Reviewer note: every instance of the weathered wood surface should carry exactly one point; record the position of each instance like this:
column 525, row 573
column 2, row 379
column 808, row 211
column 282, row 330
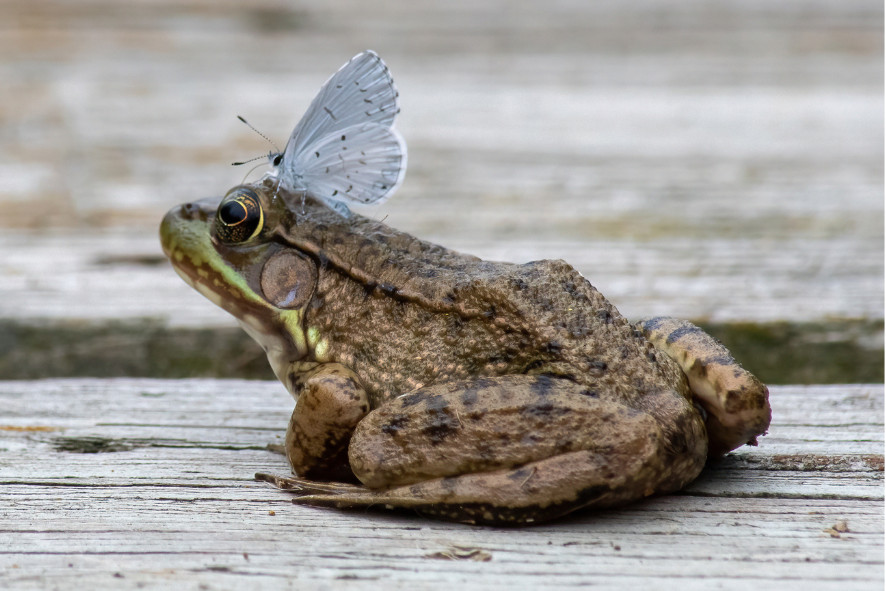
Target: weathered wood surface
column 710, row 160
column 168, row 499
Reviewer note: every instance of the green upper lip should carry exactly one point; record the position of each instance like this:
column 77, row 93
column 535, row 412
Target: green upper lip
column 186, row 238
column 185, row 235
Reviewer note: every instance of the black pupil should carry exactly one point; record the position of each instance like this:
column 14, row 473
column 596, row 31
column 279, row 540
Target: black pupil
column 232, row 213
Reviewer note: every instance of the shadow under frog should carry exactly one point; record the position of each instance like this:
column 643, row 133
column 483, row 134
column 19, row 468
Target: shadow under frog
column 464, row 389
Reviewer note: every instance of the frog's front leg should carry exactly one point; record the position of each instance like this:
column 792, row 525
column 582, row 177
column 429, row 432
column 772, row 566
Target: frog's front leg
column 330, row 403
column 511, row 450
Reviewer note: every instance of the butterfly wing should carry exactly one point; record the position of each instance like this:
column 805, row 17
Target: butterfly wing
column 363, row 163
column 362, row 91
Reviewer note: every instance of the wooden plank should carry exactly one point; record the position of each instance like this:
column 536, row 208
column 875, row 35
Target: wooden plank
column 171, row 500
column 62, row 277
column 718, row 161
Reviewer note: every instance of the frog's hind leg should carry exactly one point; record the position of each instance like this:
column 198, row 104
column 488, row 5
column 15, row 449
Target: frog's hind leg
column 534, row 492
column 513, row 450
column 737, row 403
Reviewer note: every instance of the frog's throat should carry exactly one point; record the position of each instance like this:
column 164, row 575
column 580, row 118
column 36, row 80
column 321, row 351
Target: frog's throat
column 279, row 332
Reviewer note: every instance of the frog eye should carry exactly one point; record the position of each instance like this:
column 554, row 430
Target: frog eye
column 288, row 280
column 239, row 217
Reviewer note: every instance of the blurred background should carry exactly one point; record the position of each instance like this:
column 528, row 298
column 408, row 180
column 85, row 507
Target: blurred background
column 720, row 161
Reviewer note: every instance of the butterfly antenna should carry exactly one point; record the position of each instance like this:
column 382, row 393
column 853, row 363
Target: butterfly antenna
column 248, row 161
column 266, row 138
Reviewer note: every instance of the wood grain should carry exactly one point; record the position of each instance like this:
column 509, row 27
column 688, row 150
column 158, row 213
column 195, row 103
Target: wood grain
column 717, row 161
column 121, row 483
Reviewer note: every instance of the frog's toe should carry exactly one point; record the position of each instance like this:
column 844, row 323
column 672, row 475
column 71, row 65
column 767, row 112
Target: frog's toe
column 737, row 402
column 305, row 487
column 337, row 495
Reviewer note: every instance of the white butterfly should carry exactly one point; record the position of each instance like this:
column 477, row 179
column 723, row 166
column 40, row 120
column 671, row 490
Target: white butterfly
column 344, row 149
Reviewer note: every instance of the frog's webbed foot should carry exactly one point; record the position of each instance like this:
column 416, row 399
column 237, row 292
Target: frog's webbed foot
column 737, row 403
column 536, row 492
column 304, row 488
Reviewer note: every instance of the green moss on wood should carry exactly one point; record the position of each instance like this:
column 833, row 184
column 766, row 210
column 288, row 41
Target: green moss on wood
column 838, row 351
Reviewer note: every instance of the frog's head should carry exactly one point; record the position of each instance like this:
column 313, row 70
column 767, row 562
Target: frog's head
column 231, row 253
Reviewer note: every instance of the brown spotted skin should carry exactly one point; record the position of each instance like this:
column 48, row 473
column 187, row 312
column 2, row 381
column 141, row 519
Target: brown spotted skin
column 330, row 405
column 497, row 393
column 737, row 403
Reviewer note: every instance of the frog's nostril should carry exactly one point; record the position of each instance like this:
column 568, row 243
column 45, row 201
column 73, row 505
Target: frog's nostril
column 190, row 210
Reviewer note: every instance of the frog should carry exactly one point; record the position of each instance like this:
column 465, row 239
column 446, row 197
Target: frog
column 467, row 390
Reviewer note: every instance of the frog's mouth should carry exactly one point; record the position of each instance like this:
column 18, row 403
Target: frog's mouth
column 185, row 235
column 185, row 238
